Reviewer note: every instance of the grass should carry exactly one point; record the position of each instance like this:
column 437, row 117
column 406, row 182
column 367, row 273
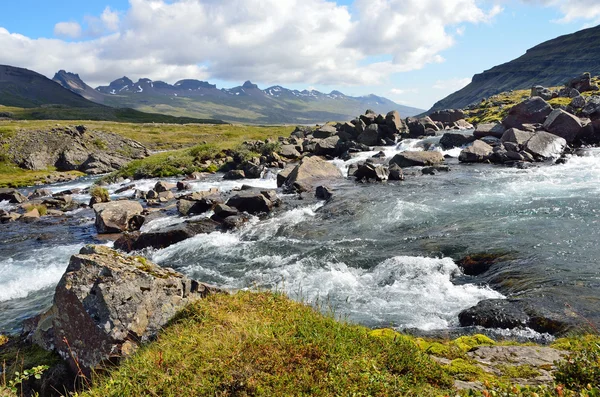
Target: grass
column 13, row 176
column 264, row 344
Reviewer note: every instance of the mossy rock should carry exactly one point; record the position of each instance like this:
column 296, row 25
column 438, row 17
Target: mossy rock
column 464, row 370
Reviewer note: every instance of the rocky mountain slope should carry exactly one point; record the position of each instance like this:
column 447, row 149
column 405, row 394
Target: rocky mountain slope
column 549, row 64
column 246, row 103
column 25, row 94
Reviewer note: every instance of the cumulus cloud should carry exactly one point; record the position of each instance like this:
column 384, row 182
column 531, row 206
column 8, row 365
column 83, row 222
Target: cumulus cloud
column 271, row 41
column 68, row 30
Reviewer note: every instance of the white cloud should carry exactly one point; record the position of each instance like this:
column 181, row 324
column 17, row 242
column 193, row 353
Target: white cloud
column 402, row 91
column 572, row 10
column 269, row 41
column 68, row 30
column 451, row 85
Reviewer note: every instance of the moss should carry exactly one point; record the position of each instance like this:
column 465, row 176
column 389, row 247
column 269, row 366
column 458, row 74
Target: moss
column 464, row 370
column 3, row 339
column 557, row 102
column 466, row 343
column 518, row 371
column 100, row 193
column 264, row 344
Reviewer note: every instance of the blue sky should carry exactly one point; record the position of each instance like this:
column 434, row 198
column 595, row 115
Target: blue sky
column 412, row 51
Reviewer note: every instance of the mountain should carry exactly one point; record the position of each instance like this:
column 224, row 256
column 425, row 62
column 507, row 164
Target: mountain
column 246, row 103
column 551, row 63
column 30, row 95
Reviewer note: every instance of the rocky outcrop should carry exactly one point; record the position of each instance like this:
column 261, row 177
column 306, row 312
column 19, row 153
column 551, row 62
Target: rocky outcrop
column 309, row 173
column 118, row 216
column 530, row 111
column 72, row 148
column 422, row 159
column 107, row 304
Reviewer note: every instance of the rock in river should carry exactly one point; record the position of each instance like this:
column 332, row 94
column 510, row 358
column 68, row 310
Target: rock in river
column 117, row 216
column 311, row 172
column 107, row 303
column 422, row 159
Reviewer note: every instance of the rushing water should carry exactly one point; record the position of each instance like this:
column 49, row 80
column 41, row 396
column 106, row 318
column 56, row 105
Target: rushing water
column 379, row 254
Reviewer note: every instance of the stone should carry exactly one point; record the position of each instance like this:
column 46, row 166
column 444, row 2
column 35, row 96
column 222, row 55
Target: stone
column 393, row 121
column 39, row 193
column 477, row 152
column 324, row 193
column 327, row 146
column 163, row 186
column 532, row 110
column 455, row 139
column 567, row 92
column 13, row 196
column 489, row 129
column 167, row 236
column 517, row 136
column 31, row 214
column 578, row 102
column 283, row 175
column 369, row 171
column 592, row 108
column 311, row 172
column 234, row 175
column 421, row 127
column 563, row 124
column 396, row 173
column 369, row 117
column 115, row 217
column 370, row 136
column 582, row 83
column 253, row 171
column 166, row 196
column 290, row 152
column 251, row 202
column 422, row 159
column 448, row 115
column 546, row 146
column 325, row 132
column 181, row 185
column 225, row 211
column 194, row 207
column 542, row 92
column 106, row 304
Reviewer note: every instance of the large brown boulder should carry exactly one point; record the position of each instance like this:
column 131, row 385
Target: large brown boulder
column 107, row 303
column 477, row 152
column 530, row 111
column 422, row 159
column 546, row 146
column 310, row 173
column 117, row 216
column 489, row 129
column 563, row 124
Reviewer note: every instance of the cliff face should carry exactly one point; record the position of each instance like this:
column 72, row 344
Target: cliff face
column 550, row 64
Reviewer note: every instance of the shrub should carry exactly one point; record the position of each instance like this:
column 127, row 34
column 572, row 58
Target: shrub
column 582, row 367
column 42, row 210
column 100, row 193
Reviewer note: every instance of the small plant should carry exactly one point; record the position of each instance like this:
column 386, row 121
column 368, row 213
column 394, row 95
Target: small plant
column 582, row 367
column 3, row 339
column 100, row 193
column 100, row 144
column 11, row 388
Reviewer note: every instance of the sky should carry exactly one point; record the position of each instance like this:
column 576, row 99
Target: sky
column 414, row 52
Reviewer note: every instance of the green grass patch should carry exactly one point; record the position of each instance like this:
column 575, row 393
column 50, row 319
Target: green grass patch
column 264, row 344
column 13, row 176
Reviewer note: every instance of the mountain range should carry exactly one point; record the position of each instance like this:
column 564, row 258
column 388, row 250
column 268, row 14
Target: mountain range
column 551, row 63
column 246, row 103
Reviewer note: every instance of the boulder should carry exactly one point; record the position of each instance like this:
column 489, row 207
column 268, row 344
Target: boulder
column 290, row 152
column 592, row 107
column 251, row 202
column 421, row 127
column 542, row 92
column 164, row 186
column 283, row 175
column 182, row 185
column 116, row 217
column 545, row 146
column 489, row 129
column 396, row 173
column 234, row 175
column 370, row 136
column 327, row 146
column 325, row 132
column 448, row 116
column 369, row 117
column 369, row 171
column 253, row 171
column 311, row 172
column 31, row 214
column 194, row 207
column 563, row 124
column 583, row 83
column 324, row 193
column 516, row 136
column 578, row 102
column 39, row 193
column 224, row 211
column 455, row 139
column 477, row 152
column 568, row 92
column 107, row 303
column 170, row 235
column 394, row 122
column 530, row 111
column 13, row 196
column 422, row 159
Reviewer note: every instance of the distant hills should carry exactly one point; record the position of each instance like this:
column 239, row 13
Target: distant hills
column 246, row 103
column 551, row 63
column 30, row 95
